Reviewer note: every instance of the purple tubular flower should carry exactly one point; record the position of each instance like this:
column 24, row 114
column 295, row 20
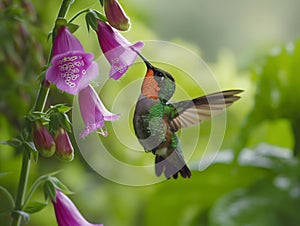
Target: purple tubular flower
column 43, row 140
column 66, row 212
column 71, row 69
column 118, row 51
column 93, row 112
column 115, row 15
column 64, row 149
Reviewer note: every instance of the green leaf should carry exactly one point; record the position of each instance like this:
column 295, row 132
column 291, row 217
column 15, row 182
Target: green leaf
column 91, row 21
column 38, row 116
column 92, row 18
column 276, row 92
column 50, row 186
column 49, row 190
column 271, row 201
column 14, row 142
column 34, row 207
column 58, row 108
column 26, row 131
column 59, row 185
column 72, row 27
column 262, row 205
column 30, row 148
column 58, row 120
column 7, row 195
column 101, row 2
column 100, row 16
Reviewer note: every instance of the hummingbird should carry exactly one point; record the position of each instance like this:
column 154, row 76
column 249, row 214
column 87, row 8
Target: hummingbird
column 156, row 119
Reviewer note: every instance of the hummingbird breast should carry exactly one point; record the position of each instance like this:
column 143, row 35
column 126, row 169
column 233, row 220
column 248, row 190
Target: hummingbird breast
column 151, row 125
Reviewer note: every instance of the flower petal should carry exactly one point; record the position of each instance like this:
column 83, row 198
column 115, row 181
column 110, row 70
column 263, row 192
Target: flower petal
column 122, row 58
column 65, row 41
column 93, row 112
column 66, row 212
column 72, row 71
column 118, row 51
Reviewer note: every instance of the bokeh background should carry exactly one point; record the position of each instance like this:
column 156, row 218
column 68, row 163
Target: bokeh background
column 252, row 45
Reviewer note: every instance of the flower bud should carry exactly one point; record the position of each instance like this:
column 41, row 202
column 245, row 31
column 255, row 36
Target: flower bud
column 115, row 15
column 64, row 149
column 42, row 140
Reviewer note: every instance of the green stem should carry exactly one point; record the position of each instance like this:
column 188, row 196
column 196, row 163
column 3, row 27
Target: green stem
column 78, row 14
column 38, row 106
column 21, row 188
column 65, row 5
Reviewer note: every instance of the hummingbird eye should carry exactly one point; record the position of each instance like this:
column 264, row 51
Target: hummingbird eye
column 160, row 74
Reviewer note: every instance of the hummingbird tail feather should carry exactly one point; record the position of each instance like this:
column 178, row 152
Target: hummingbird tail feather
column 166, row 166
column 185, row 172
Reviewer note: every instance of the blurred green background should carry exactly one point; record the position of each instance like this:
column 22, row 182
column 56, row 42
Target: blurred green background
column 249, row 45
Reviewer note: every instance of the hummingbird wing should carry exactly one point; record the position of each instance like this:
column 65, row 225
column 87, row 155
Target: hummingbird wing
column 192, row 112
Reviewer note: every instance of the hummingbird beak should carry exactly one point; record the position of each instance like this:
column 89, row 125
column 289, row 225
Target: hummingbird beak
column 149, row 66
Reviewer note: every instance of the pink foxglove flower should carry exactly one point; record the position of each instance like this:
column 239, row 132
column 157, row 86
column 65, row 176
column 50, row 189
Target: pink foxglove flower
column 115, row 15
column 71, row 69
column 117, row 50
column 64, row 149
column 66, row 212
column 93, row 112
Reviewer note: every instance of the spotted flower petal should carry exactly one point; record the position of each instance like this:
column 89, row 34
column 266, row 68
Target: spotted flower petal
column 93, row 112
column 118, row 51
column 71, row 69
column 66, row 212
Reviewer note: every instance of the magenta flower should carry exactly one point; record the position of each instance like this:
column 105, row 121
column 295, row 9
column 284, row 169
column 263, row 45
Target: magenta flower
column 93, row 112
column 117, row 50
column 71, row 69
column 66, row 212
column 43, row 140
column 115, row 15
column 64, row 149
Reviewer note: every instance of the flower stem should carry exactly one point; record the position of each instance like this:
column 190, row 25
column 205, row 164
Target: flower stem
column 38, row 106
column 21, row 188
column 78, row 14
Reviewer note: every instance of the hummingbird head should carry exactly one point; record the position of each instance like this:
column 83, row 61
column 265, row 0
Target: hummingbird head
column 157, row 84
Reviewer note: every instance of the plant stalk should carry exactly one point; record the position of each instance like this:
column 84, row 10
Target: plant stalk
column 38, row 106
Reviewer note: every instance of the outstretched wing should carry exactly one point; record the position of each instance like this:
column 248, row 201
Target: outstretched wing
column 192, row 112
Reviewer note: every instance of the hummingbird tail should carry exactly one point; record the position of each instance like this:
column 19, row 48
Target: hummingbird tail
column 170, row 169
